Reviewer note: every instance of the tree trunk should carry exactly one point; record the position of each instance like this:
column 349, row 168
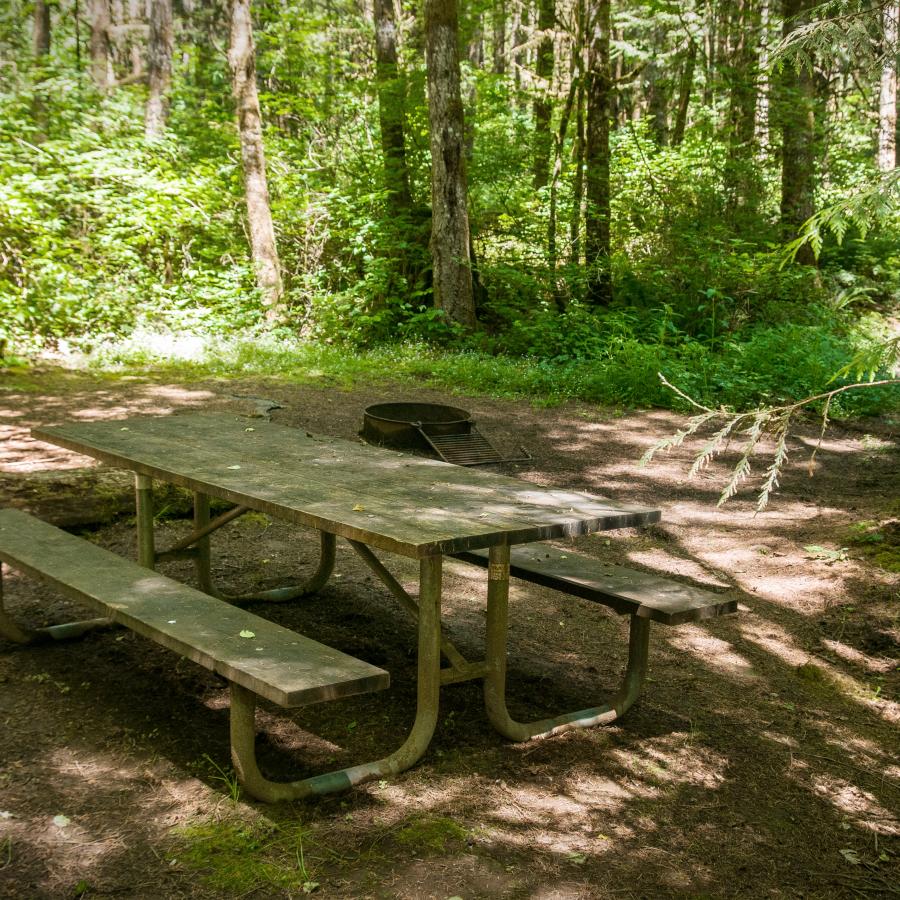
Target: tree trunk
column 475, row 55
column 685, row 87
column 449, row 194
column 499, row 37
column 41, row 45
column 543, row 108
column 740, row 176
column 391, row 89
column 578, row 182
column 160, row 47
column 41, row 35
column 796, row 116
column 887, row 106
column 242, row 59
column 559, row 144
column 597, row 216
column 762, row 98
column 657, row 103
column 101, row 69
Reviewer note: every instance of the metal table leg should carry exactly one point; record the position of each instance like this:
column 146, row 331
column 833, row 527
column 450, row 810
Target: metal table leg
column 495, row 680
column 196, row 546
column 243, row 704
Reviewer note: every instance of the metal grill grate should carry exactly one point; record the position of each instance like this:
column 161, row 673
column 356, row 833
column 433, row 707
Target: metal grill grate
column 471, row 449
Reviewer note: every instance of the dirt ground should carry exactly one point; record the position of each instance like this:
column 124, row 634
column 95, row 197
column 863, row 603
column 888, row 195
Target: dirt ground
column 762, row 760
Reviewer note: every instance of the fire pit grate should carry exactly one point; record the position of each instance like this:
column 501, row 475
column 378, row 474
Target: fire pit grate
column 445, row 431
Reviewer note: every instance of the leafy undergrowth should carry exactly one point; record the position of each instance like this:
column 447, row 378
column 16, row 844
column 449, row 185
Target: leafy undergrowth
column 773, row 365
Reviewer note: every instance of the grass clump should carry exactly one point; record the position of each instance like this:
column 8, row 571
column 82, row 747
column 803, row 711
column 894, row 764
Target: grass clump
column 434, row 835
column 237, row 857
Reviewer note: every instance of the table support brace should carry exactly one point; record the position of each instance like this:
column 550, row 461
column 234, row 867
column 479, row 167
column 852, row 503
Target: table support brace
column 243, row 705
column 459, row 663
column 495, row 680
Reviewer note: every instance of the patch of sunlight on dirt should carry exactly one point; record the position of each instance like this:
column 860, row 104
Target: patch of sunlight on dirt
column 772, row 638
column 858, row 805
column 783, row 739
column 813, row 670
column 857, row 657
column 675, row 565
column 672, row 760
column 714, row 653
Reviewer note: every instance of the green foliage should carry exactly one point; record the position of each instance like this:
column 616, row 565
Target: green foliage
column 139, row 250
column 101, row 231
column 237, row 857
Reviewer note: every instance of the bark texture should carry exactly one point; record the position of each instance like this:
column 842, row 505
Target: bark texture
column 263, row 250
column 160, row 47
column 41, row 34
column 391, row 105
column 887, row 101
column 101, row 68
column 450, row 246
column 685, row 87
column 597, row 215
column 797, row 121
column 543, row 108
column 743, row 73
column 498, row 22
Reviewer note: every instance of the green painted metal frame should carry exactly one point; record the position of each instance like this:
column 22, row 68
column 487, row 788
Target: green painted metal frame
column 431, row 645
column 243, row 705
column 11, row 631
column 196, row 546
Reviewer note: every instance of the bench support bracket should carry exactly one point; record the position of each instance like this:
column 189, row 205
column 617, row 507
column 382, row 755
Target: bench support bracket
column 243, row 706
column 11, row 631
column 495, row 680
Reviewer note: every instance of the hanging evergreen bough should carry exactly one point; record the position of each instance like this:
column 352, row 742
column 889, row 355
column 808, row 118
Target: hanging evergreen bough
column 770, row 421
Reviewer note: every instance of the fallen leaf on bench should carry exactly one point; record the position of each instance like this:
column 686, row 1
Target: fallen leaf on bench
column 247, row 634
column 358, row 508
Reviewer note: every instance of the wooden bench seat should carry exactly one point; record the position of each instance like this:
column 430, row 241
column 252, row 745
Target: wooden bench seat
column 626, row 591
column 276, row 663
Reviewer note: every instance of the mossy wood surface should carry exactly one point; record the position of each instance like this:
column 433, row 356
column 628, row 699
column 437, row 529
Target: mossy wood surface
column 267, row 659
column 387, row 500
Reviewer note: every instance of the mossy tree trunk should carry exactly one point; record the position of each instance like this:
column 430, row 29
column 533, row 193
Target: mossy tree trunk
column 597, row 215
column 391, row 88
column 263, row 249
column 797, row 121
column 450, row 246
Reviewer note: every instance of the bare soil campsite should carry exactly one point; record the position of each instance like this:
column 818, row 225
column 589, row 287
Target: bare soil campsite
column 761, row 760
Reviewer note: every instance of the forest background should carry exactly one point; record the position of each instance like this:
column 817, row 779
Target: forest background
column 556, row 198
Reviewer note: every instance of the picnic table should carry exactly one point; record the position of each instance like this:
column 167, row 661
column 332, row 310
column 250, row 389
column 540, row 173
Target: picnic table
column 379, row 501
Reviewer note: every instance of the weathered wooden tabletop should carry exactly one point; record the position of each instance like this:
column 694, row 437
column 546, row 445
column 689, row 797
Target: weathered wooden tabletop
column 391, row 501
